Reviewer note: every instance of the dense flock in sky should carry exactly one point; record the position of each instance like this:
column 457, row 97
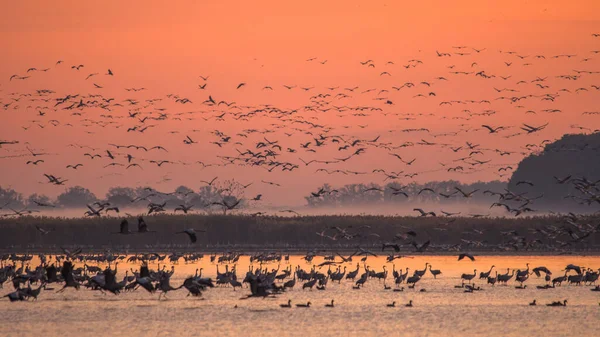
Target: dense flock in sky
column 459, row 112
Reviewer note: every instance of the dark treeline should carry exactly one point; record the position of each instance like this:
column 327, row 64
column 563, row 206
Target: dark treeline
column 546, row 233
column 444, row 193
column 347, row 195
column 125, row 197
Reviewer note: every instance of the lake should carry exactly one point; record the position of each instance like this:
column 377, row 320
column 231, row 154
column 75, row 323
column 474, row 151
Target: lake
column 442, row 310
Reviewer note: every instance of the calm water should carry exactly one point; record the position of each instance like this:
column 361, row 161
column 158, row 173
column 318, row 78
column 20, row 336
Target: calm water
column 440, row 311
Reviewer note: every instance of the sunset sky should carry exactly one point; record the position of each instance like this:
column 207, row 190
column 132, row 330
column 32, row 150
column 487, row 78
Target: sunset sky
column 165, row 47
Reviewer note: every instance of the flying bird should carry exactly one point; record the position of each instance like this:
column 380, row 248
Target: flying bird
column 191, row 233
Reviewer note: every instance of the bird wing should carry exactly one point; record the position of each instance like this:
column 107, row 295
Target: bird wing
column 419, row 210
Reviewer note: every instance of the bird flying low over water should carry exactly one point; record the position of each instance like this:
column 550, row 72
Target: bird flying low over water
column 191, row 233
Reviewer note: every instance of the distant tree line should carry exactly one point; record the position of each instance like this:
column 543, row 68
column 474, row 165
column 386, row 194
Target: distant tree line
column 439, row 192
column 217, row 197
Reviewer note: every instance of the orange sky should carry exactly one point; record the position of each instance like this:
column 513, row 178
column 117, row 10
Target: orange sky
column 164, row 47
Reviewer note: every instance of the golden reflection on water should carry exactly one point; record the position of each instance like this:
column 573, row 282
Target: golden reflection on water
column 442, row 310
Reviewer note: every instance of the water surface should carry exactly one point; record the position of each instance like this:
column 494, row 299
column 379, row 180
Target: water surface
column 442, row 310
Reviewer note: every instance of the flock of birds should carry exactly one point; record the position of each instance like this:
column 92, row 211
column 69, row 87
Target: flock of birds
column 280, row 139
column 276, row 139
column 73, row 269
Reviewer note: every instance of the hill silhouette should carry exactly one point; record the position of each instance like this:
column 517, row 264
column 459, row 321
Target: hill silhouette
column 566, row 173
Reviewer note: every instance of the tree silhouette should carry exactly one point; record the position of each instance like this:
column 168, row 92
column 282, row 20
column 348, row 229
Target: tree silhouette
column 76, row 196
column 11, row 198
column 371, row 194
column 120, row 196
column 41, row 198
column 227, row 195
